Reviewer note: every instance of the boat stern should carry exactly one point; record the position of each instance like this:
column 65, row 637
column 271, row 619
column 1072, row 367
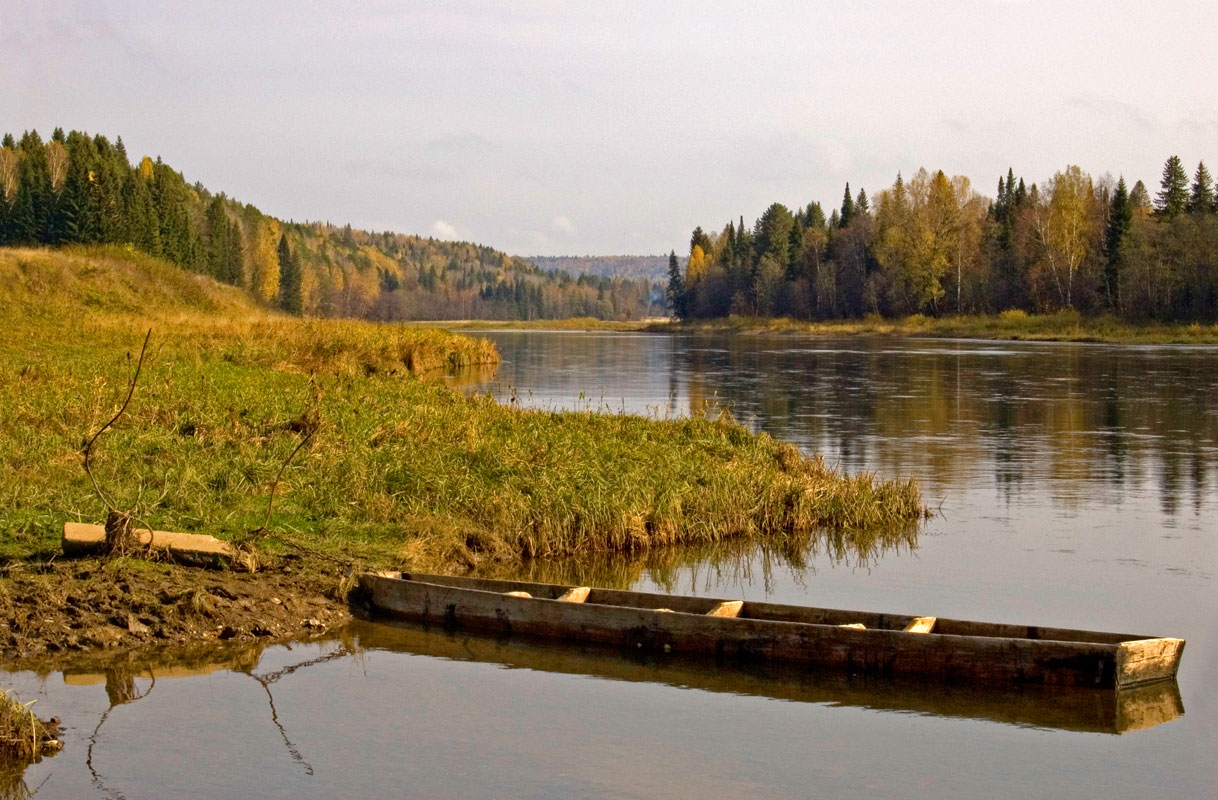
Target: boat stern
column 1146, row 660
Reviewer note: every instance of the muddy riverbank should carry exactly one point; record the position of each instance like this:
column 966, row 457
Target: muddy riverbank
column 71, row 607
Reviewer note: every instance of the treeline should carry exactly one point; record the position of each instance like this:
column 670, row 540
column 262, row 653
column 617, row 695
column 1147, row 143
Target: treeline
column 653, row 268
column 932, row 245
column 82, row 189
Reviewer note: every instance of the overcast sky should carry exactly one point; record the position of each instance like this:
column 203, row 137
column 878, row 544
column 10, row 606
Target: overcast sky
column 546, row 128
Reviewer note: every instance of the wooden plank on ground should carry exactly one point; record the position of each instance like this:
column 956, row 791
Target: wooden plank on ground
column 83, row 539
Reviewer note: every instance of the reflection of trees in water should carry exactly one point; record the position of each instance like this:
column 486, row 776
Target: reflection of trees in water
column 1068, row 415
column 270, row 678
column 730, row 561
column 122, row 689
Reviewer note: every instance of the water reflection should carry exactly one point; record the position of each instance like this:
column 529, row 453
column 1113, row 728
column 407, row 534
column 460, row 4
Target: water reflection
column 300, row 738
column 129, row 677
column 1096, row 711
column 730, row 561
column 1071, row 416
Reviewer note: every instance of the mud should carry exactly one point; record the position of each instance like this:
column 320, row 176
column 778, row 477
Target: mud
column 74, row 607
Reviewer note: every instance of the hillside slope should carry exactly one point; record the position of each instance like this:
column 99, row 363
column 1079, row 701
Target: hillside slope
column 82, row 189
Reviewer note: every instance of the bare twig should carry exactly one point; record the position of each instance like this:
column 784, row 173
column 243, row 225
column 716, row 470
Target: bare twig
column 270, row 503
column 89, row 445
column 119, row 536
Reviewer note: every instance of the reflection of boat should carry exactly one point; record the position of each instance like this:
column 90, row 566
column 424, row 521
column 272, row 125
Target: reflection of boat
column 856, row 642
column 1091, row 710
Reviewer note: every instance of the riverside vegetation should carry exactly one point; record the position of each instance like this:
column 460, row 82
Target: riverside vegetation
column 396, row 469
column 933, row 246
column 1015, row 325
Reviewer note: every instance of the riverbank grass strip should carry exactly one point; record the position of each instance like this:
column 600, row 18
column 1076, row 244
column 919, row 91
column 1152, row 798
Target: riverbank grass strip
column 1013, row 325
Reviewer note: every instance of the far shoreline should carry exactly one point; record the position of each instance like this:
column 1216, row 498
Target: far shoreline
column 1062, row 326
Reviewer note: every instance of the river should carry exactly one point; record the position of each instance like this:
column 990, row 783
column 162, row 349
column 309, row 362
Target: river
column 1075, row 485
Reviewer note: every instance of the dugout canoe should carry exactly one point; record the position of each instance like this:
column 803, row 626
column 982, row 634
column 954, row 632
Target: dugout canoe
column 734, row 631
column 1106, row 711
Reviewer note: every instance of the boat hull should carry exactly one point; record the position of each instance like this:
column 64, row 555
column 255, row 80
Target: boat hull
column 769, row 632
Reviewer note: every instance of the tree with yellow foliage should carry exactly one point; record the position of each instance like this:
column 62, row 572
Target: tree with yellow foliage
column 696, row 268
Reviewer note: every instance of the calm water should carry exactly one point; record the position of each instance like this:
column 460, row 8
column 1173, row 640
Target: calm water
column 1077, row 486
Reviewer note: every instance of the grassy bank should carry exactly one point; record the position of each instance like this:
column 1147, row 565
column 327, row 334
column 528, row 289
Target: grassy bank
column 1065, row 326
column 400, row 469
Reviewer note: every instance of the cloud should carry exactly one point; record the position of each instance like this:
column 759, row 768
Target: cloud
column 562, row 225
column 443, row 229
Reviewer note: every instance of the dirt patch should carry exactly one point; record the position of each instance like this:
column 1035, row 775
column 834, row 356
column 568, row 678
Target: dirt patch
column 93, row 604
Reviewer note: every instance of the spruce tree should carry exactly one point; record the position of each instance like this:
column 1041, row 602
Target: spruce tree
column 1120, row 217
column 1173, row 194
column 1201, row 200
column 861, row 204
column 234, row 256
column 676, row 287
column 291, row 297
column 34, row 191
column 216, row 241
column 847, row 208
column 699, row 239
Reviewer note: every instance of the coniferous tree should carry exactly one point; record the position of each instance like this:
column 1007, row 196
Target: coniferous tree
column 847, row 209
column 290, row 297
column 1120, row 217
column 1173, row 194
column 675, row 293
column 217, row 233
column 33, row 206
column 699, row 239
column 1201, row 199
column 861, row 204
column 234, row 257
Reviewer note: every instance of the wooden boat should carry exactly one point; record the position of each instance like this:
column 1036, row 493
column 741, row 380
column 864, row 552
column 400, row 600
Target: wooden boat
column 1107, row 711
column 857, row 642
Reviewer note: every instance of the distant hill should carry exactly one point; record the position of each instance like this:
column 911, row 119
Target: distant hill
column 650, row 268
column 80, row 189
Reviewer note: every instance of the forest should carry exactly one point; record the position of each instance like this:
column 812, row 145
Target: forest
column 654, row 268
column 932, row 245
column 82, row 189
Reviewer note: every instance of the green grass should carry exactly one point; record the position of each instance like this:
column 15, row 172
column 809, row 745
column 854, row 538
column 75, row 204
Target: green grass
column 401, row 468
column 1063, row 326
